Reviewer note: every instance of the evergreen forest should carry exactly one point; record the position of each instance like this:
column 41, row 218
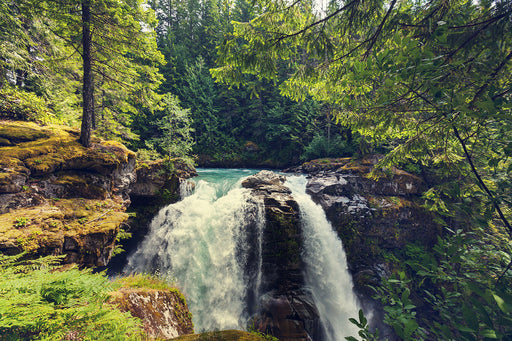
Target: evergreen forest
column 425, row 85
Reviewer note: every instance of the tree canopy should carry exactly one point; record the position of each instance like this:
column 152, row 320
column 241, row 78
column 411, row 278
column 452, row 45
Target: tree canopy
column 110, row 43
column 431, row 79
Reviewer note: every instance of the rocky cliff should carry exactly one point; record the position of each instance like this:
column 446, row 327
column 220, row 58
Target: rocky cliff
column 286, row 309
column 57, row 197
column 371, row 216
column 374, row 218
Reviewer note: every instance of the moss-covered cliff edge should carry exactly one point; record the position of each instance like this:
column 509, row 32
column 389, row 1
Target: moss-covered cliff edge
column 57, row 197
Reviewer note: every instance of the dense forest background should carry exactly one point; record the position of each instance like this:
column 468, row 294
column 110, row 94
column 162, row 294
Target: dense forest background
column 152, row 84
column 426, row 84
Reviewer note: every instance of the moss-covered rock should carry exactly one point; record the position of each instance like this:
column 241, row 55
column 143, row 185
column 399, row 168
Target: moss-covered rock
column 57, row 197
column 84, row 230
column 162, row 309
column 224, row 335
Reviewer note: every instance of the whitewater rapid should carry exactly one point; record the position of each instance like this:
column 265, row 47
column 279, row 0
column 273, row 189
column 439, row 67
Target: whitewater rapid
column 201, row 243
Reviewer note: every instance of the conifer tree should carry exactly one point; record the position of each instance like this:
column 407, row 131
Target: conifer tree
column 116, row 42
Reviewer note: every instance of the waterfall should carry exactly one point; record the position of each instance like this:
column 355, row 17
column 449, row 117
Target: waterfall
column 210, row 244
column 325, row 270
column 204, row 242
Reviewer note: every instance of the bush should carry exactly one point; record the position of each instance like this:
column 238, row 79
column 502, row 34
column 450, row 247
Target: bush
column 16, row 104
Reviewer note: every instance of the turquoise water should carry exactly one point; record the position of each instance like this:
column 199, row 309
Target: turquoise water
column 224, row 179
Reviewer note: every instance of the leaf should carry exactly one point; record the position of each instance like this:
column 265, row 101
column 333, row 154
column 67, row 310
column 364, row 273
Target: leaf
column 470, row 317
column 489, row 333
column 351, row 338
column 409, row 327
column 354, row 321
column 405, row 295
column 362, row 319
column 504, row 306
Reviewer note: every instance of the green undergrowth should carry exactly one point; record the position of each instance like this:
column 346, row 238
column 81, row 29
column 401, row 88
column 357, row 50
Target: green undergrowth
column 40, row 302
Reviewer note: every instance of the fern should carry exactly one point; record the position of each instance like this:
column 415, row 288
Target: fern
column 39, row 302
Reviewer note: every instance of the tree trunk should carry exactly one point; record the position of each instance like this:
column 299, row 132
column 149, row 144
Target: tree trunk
column 88, row 86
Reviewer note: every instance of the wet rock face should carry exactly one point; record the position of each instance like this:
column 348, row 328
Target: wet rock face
column 154, row 177
column 370, row 216
column 286, row 309
column 289, row 317
column 282, row 239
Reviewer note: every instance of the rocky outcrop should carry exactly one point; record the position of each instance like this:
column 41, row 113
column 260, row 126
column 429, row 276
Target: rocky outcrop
column 57, row 197
column 157, row 184
column 164, row 313
column 156, row 178
column 286, row 309
column 282, row 234
column 369, row 223
column 370, row 215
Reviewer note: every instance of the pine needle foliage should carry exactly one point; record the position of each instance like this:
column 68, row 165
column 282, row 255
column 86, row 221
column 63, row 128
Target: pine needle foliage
column 40, row 302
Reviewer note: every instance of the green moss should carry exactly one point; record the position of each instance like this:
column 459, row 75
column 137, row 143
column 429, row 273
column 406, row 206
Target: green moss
column 51, row 148
column 15, row 132
column 64, row 218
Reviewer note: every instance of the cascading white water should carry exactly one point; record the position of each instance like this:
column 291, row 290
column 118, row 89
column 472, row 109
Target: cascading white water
column 202, row 242
column 326, row 270
column 211, row 244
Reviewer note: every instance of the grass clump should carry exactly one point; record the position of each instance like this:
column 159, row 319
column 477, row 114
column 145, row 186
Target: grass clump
column 144, row 281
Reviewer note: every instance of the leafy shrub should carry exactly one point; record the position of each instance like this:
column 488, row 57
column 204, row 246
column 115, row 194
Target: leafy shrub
column 460, row 290
column 17, row 104
column 39, row 303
